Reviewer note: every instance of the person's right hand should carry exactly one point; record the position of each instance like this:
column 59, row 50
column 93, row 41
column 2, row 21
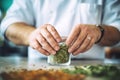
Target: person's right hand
column 45, row 39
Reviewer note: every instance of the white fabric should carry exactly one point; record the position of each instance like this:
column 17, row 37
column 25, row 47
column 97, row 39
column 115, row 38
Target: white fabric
column 64, row 15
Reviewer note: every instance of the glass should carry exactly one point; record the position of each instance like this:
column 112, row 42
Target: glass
column 62, row 57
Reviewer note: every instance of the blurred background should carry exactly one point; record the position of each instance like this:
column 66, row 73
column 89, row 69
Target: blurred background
column 10, row 49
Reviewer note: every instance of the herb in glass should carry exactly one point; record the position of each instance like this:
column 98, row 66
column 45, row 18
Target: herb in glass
column 62, row 55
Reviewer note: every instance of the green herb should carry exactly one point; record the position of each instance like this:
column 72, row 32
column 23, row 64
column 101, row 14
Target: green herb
column 106, row 72
column 62, row 55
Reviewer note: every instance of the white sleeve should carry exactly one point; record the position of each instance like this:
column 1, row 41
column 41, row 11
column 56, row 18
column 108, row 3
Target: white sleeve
column 20, row 11
column 111, row 13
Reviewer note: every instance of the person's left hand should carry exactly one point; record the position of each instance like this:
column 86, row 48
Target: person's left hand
column 82, row 38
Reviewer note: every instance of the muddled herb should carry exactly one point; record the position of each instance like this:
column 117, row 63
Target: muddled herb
column 106, row 72
column 61, row 56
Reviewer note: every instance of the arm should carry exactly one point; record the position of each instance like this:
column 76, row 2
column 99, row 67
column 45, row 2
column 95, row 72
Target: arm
column 16, row 26
column 111, row 17
column 111, row 36
column 18, row 33
column 19, row 13
column 79, row 41
column 83, row 37
column 40, row 39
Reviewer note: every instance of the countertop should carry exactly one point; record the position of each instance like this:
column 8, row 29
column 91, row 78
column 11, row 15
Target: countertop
column 15, row 62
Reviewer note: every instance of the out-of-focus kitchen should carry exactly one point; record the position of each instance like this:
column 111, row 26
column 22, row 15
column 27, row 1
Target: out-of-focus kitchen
column 13, row 57
column 7, row 48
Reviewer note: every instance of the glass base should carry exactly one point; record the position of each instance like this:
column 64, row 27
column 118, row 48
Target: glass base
column 51, row 62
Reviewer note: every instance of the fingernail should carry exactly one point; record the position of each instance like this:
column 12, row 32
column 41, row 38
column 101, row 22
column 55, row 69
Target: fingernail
column 53, row 52
column 66, row 43
column 74, row 54
column 69, row 50
column 47, row 54
column 57, row 48
column 58, row 40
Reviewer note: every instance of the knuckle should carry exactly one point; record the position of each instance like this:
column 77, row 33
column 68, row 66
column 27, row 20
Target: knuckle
column 48, row 26
column 43, row 51
column 72, row 49
column 51, row 28
column 48, row 36
column 54, row 34
column 79, row 41
column 45, row 45
column 74, row 46
column 78, row 26
column 36, row 47
column 50, row 50
column 54, row 45
column 78, row 51
column 85, row 28
column 83, row 49
column 42, row 41
column 40, row 50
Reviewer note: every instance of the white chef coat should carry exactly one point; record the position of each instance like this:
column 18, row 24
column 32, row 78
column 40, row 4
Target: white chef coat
column 64, row 15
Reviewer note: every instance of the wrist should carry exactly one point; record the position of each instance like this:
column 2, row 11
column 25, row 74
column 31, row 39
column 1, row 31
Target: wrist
column 101, row 29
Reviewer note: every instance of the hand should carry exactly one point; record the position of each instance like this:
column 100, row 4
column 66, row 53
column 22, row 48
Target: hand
column 45, row 39
column 82, row 38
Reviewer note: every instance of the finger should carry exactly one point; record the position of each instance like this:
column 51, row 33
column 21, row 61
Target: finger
column 50, row 39
column 45, row 45
column 54, row 33
column 83, row 46
column 73, row 35
column 35, row 45
column 91, row 44
column 79, row 41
